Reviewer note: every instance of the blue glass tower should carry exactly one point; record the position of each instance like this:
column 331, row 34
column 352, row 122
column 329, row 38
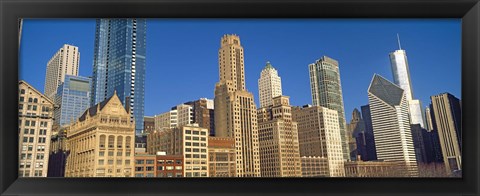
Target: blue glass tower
column 72, row 99
column 119, row 64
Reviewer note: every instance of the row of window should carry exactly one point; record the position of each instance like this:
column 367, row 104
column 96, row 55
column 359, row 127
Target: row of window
column 31, row 139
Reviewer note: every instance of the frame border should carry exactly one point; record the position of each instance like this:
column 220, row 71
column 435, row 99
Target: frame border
column 12, row 10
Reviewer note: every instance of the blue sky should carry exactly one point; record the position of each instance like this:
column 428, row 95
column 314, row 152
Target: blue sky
column 182, row 54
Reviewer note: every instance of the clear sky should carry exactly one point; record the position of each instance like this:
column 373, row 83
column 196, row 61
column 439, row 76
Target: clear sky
column 182, row 54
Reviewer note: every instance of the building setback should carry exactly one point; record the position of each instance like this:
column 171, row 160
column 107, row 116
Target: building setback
column 269, row 85
column 101, row 142
column 391, row 124
column 326, row 91
column 278, row 138
column 119, row 64
column 35, row 119
column 221, row 152
column 235, row 109
column 319, row 136
column 72, row 99
column 447, row 118
column 64, row 62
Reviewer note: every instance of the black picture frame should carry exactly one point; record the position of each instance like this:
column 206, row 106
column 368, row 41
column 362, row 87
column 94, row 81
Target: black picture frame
column 12, row 10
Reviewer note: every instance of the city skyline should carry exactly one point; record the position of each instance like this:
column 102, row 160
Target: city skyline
column 289, row 56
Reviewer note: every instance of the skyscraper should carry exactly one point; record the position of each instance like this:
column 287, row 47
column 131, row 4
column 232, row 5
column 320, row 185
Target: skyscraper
column 369, row 137
column 448, row 117
column 203, row 113
column 235, row 109
column 269, row 85
column 391, row 124
column 401, row 77
column 72, row 99
column 326, row 91
column 278, row 136
column 356, row 136
column 64, row 62
column 119, row 64
column 319, row 140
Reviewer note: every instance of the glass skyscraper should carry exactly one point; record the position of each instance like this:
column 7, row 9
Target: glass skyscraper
column 119, row 64
column 327, row 92
column 73, row 97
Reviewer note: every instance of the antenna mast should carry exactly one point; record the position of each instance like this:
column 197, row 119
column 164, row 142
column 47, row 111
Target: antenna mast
column 398, row 39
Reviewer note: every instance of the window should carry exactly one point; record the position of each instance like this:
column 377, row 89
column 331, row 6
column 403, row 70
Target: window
column 40, row 156
column 119, row 154
column 41, row 140
column 150, row 162
column 178, row 161
column 32, row 131
column 101, row 153
column 20, row 106
column 139, row 162
column 30, row 148
column 110, row 153
column 138, row 168
column 22, row 91
column 127, row 162
column 41, row 148
column 34, row 108
column 30, row 139
column 160, row 168
column 27, row 123
column 151, row 168
column 23, row 156
column 178, row 167
column 101, row 162
column 110, row 162
column 25, row 131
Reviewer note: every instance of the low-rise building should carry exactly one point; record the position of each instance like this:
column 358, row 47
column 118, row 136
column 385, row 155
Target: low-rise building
column 221, row 151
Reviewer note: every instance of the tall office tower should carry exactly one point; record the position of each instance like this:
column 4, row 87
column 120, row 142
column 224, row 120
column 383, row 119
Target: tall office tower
column 356, row 136
column 401, row 77
column 319, row 136
column 221, row 152
column 35, row 119
column 448, row 118
column 101, row 142
column 166, row 120
column 432, row 139
column 419, row 143
column 370, row 148
column 428, row 119
column 72, row 99
column 119, row 64
column 391, row 124
column 269, row 85
column 64, row 62
column 203, row 113
column 235, row 109
column 278, row 136
column 326, row 91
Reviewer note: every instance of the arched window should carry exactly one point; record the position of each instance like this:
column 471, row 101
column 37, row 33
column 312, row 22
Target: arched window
column 30, row 100
column 35, row 100
column 119, row 141
column 22, row 91
column 102, row 141
column 111, row 141
column 127, row 141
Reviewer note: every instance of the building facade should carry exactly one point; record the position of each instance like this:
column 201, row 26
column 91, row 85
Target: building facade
column 101, row 142
column 221, row 152
column 391, row 124
column 319, row 136
column 326, row 90
column 58, row 154
column 145, row 165
column 448, row 117
column 235, row 109
column 314, row 166
column 166, row 120
column 204, row 114
column 191, row 141
column 356, row 136
column 148, row 124
column 169, row 166
column 119, row 64
column 278, row 139
column 64, row 62
column 370, row 149
column 72, row 99
column 269, row 85
column 401, row 77
column 373, row 169
column 35, row 119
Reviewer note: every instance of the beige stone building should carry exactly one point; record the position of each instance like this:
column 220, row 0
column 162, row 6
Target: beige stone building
column 319, row 136
column 278, row 139
column 313, row 166
column 101, row 142
column 191, row 141
column 64, row 62
column 35, row 119
column 166, row 120
column 374, row 169
column 221, row 152
column 235, row 109
column 269, row 85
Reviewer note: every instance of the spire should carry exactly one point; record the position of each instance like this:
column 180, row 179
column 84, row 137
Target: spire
column 398, row 39
column 268, row 65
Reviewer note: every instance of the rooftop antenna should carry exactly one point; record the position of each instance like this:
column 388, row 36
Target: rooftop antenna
column 398, row 39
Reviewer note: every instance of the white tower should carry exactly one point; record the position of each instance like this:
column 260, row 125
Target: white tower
column 269, row 85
